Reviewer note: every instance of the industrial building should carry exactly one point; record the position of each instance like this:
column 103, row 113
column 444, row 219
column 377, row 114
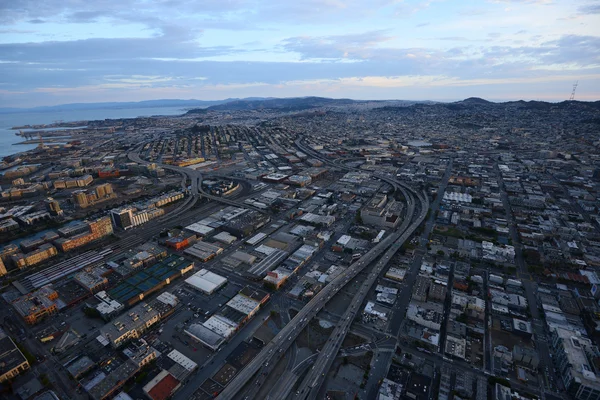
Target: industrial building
column 107, row 307
column 246, row 224
column 93, row 281
column 396, row 274
column 269, row 263
column 225, row 238
column 147, row 281
column 179, row 240
column 162, row 386
column 221, row 326
column 143, row 256
column 205, row 281
column 199, row 229
column 204, row 251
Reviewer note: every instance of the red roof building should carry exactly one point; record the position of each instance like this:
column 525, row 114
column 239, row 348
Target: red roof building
column 162, row 386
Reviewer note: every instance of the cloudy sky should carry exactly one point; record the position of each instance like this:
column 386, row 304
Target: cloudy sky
column 63, row 51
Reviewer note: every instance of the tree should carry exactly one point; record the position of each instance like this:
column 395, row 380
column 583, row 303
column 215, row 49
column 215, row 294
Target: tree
column 440, row 253
column 91, row 312
column 45, row 380
column 358, row 219
column 462, row 318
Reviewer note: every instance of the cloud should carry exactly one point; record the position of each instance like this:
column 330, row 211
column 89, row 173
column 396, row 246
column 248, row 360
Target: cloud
column 351, row 47
column 325, row 45
column 174, row 42
column 86, row 16
column 590, row 9
column 16, row 31
column 215, row 13
column 37, row 21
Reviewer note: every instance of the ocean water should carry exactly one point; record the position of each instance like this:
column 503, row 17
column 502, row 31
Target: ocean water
column 8, row 139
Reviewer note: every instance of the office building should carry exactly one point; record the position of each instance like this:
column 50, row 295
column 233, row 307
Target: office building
column 573, row 356
column 122, row 218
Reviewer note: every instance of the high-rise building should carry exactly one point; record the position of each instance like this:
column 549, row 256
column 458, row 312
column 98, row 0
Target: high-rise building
column 80, row 198
column 104, row 190
column 122, row 218
column 53, row 206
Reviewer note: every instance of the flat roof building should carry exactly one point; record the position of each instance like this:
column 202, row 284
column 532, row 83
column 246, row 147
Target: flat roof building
column 206, row 281
column 204, row 251
column 38, row 305
column 162, row 386
column 131, row 324
column 12, row 361
column 225, row 238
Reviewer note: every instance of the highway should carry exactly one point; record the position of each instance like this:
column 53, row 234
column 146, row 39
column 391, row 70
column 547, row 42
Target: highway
column 283, row 340
column 312, row 383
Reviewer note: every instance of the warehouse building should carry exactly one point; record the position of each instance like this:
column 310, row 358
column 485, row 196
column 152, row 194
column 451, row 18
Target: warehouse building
column 145, row 282
column 199, row 229
column 204, row 251
column 269, row 263
column 205, row 281
column 225, row 238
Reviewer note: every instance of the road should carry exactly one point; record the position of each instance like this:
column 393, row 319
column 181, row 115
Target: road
column 379, row 370
column 540, row 334
column 310, row 386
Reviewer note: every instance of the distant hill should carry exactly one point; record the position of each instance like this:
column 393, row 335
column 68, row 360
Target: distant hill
column 283, row 104
column 294, row 104
column 474, row 100
column 120, row 105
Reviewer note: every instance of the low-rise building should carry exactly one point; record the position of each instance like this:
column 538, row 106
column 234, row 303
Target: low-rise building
column 38, row 305
column 12, row 360
column 206, row 281
column 133, row 323
column 41, row 254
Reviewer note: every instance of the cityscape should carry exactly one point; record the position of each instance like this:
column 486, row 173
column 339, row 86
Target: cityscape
column 305, row 248
column 299, row 200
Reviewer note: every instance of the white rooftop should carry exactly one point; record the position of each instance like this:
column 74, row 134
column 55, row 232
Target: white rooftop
column 182, row 360
column 220, row 325
column 243, row 304
column 206, row 281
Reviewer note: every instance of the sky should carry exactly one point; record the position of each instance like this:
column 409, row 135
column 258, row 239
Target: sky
column 71, row 51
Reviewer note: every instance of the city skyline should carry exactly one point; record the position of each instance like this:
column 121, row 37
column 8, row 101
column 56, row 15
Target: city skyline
column 62, row 52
